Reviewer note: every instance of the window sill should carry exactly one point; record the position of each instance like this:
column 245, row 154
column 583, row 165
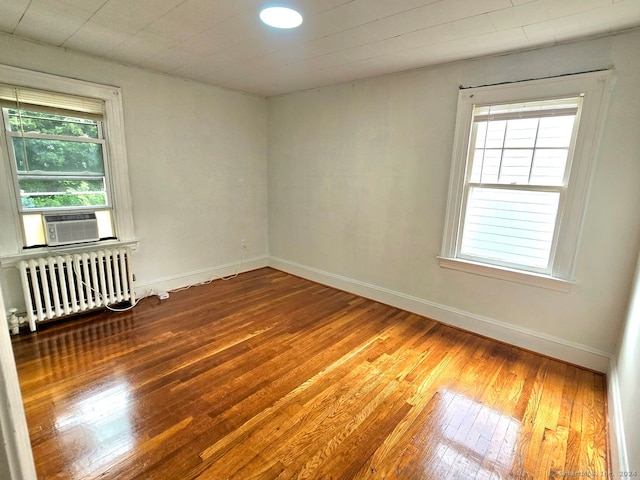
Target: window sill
column 11, row 260
column 516, row 276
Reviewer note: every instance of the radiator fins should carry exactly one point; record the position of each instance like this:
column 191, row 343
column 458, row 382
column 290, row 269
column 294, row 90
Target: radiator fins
column 57, row 286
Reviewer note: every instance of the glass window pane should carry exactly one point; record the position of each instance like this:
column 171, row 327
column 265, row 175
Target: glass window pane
column 486, row 166
column 555, row 132
column 57, row 157
column 521, row 133
column 516, row 165
column 61, row 186
column 58, row 200
column 495, row 134
column 476, row 165
column 51, row 124
column 62, row 193
column 510, row 226
column 481, row 133
column 549, row 166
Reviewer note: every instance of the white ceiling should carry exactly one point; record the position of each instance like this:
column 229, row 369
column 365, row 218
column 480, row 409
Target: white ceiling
column 222, row 42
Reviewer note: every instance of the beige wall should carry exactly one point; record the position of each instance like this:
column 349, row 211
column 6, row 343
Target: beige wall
column 358, row 180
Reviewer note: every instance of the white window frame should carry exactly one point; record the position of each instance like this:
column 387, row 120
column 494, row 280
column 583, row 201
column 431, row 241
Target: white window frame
column 11, row 239
column 595, row 87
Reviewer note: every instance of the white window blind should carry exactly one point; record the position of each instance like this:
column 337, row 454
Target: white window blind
column 52, row 102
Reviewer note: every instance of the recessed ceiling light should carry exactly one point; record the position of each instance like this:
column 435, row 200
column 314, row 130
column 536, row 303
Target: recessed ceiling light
column 281, row 17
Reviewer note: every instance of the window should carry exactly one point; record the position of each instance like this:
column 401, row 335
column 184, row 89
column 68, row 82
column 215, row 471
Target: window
column 56, row 147
column 63, row 153
column 59, row 159
column 520, row 174
column 519, row 160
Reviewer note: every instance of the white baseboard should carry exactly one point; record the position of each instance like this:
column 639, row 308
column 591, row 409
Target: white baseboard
column 617, row 439
column 198, row 276
column 542, row 343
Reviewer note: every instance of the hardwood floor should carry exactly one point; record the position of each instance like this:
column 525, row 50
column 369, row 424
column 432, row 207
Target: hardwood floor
column 271, row 376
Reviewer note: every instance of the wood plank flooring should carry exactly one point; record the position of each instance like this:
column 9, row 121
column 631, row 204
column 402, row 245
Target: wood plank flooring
column 269, row 376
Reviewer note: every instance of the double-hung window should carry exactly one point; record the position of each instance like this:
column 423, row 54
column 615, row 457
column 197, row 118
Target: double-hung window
column 64, row 160
column 59, row 157
column 520, row 175
column 519, row 163
column 57, row 152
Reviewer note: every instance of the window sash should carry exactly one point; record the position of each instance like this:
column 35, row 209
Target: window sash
column 45, row 178
column 485, row 229
column 536, row 144
column 62, row 138
column 62, row 173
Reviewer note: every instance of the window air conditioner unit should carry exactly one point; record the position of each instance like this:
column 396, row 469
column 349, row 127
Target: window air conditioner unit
column 69, row 228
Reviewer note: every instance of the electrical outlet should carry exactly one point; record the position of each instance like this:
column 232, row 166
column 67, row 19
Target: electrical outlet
column 244, row 244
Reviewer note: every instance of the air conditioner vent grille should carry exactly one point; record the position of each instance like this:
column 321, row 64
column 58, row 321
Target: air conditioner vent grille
column 65, row 229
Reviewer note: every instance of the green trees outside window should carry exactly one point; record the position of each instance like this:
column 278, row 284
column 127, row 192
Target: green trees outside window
column 59, row 159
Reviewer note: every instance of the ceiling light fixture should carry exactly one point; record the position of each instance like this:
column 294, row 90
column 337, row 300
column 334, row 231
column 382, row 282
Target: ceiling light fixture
column 281, row 17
